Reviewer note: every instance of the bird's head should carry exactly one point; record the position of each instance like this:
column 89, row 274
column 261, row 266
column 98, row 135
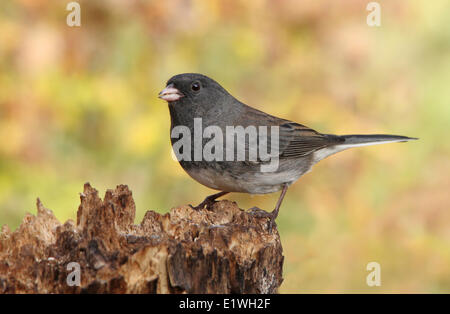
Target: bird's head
column 192, row 88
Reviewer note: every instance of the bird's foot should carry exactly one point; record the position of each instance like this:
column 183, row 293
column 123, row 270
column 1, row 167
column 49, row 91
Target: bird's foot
column 208, row 203
column 272, row 222
column 260, row 213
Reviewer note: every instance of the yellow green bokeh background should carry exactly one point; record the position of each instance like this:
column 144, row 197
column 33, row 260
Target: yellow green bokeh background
column 80, row 104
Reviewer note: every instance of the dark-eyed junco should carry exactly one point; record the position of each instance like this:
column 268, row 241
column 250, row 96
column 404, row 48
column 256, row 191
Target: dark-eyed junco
column 203, row 114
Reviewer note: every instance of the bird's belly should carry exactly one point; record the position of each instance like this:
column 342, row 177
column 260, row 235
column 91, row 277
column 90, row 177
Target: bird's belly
column 234, row 177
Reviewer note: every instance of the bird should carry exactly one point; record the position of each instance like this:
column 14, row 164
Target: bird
column 195, row 97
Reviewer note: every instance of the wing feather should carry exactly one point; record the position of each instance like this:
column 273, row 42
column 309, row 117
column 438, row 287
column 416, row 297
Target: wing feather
column 297, row 140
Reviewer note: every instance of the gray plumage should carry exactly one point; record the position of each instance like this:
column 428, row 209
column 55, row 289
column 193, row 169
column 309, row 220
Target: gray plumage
column 300, row 147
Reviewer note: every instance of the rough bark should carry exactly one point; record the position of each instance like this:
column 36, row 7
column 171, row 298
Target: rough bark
column 225, row 250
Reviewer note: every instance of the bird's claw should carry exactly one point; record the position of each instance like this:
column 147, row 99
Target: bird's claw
column 209, row 201
column 206, row 203
column 260, row 213
column 271, row 223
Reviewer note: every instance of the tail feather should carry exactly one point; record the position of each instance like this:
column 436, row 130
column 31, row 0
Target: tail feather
column 356, row 140
column 373, row 139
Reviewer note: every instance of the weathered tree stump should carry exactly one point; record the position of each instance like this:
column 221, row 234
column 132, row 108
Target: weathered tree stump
column 225, row 250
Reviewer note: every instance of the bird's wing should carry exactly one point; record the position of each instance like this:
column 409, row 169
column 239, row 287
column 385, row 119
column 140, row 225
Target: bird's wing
column 293, row 140
column 296, row 140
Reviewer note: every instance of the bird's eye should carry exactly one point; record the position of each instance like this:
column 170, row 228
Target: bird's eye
column 195, row 86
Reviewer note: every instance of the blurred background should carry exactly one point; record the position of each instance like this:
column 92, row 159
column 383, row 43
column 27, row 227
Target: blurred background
column 80, row 104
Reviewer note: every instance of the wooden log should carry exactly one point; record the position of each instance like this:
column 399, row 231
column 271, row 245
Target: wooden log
column 223, row 250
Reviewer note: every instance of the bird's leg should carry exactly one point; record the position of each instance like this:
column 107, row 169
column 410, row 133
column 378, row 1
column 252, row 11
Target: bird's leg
column 209, row 201
column 274, row 213
column 257, row 212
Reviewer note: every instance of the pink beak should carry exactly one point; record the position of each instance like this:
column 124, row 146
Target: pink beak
column 170, row 93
